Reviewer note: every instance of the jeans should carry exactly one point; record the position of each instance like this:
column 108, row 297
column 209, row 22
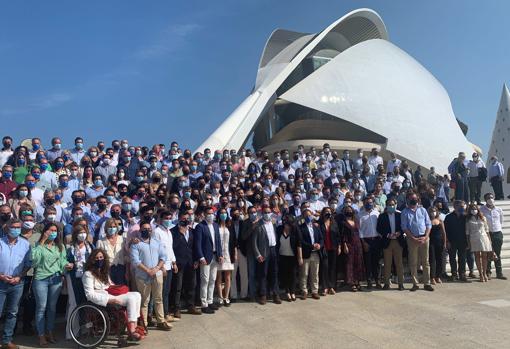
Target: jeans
column 167, row 281
column 10, row 295
column 46, row 293
column 28, row 303
column 497, row 242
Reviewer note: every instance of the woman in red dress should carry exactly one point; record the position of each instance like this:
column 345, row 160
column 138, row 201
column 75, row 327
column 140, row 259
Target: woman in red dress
column 352, row 249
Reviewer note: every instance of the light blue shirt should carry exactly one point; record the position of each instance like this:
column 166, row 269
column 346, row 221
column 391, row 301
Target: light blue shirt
column 14, row 258
column 496, row 169
column 77, row 155
column 92, row 193
column 148, row 253
column 416, row 221
column 73, row 183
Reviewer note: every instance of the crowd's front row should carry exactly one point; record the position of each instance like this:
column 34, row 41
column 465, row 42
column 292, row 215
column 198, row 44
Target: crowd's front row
column 163, row 264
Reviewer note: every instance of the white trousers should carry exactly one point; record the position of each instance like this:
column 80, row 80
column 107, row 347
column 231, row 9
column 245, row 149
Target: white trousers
column 132, row 301
column 207, row 281
column 240, row 265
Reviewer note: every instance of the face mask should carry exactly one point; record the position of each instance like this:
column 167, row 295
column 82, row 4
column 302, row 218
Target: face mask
column 461, row 210
column 145, row 234
column 98, row 183
column 368, row 206
column 81, row 237
column 191, row 218
column 333, row 206
column 51, row 217
column 308, row 219
column 49, row 202
column 314, row 197
column 7, row 175
column 139, row 179
column 223, row 217
column 99, row 263
column 253, row 217
column 28, row 225
column 474, row 212
column 14, row 232
column 52, row 236
column 183, row 223
column 267, row 217
column 126, row 207
column 36, row 147
column 115, row 214
column 413, row 202
column 102, row 206
column 112, row 231
column 64, row 184
column 127, row 159
column 74, row 173
column 391, row 209
column 37, row 175
column 110, row 198
column 5, row 216
column 79, row 146
column 30, row 185
column 77, row 200
column 57, row 146
column 21, row 162
column 167, row 223
column 490, row 202
column 209, row 218
column 58, row 197
column 23, row 193
column 59, row 165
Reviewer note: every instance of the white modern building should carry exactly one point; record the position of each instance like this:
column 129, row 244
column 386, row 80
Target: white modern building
column 500, row 143
column 349, row 86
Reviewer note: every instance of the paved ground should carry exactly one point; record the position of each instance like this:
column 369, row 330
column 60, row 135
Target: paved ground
column 451, row 317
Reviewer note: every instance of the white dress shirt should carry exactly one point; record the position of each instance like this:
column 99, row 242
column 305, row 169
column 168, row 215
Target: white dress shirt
column 271, row 237
column 494, row 217
column 368, row 223
column 474, row 166
column 211, row 231
column 310, row 231
column 164, row 236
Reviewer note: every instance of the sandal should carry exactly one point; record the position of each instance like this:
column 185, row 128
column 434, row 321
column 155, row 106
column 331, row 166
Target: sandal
column 135, row 337
column 354, row 288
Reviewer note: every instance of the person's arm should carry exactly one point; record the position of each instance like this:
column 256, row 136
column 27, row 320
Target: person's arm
column 197, row 242
column 428, row 224
column 255, row 247
column 443, row 234
column 91, row 294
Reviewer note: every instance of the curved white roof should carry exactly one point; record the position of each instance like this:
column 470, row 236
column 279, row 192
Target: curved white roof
column 370, row 82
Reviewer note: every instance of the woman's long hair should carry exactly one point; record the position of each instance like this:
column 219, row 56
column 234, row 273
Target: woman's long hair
column 102, row 274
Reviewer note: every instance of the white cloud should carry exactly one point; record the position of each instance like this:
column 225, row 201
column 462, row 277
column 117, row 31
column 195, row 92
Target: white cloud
column 37, row 104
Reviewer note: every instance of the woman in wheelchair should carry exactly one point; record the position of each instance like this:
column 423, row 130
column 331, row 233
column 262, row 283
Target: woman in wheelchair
column 98, row 286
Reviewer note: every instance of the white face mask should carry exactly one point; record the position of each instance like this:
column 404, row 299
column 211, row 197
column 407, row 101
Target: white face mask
column 51, row 217
column 82, row 236
column 490, row 202
column 28, row 225
column 474, row 212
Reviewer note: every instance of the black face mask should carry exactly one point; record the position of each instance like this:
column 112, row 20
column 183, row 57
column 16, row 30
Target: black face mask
column 101, row 206
column 145, row 234
column 174, row 206
column 49, row 202
column 77, row 200
column 413, row 202
column 183, row 223
column 115, row 214
column 99, row 263
column 349, row 214
column 122, row 193
column 327, row 215
column 5, row 217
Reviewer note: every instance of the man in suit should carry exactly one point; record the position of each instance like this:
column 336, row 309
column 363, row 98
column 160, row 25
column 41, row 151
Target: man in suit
column 295, row 209
column 184, row 278
column 264, row 250
column 389, row 227
column 208, row 253
column 312, row 242
column 241, row 264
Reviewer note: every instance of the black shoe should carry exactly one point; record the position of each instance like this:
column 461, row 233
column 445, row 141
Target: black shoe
column 464, row 279
column 28, row 331
column 472, row 275
column 207, row 310
column 214, row 306
column 386, row 287
column 501, row 277
column 369, row 285
column 401, row 287
column 428, row 288
column 414, row 288
column 378, row 286
column 233, row 300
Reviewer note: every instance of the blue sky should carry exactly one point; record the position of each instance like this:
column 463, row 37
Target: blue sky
column 155, row 71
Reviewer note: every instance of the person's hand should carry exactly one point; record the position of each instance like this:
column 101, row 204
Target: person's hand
column 346, row 249
column 300, row 261
column 260, row 259
column 45, row 236
column 316, row 247
column 203, row 261
column 4, row 278
column 396, row 234
column 69, row 266
column 175, row 268
column 135, row 241
column 15, row 280
column 114, row 301
column 339, row 251
column 195, row 265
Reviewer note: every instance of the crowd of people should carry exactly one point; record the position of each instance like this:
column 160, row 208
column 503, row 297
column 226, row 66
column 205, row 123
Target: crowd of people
column 178, row 231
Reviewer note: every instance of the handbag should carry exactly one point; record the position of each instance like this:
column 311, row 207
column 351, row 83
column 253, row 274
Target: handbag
column 117, row 290
column 482, row 174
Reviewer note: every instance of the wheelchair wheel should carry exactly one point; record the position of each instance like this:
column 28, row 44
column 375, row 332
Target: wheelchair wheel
column 89, row 325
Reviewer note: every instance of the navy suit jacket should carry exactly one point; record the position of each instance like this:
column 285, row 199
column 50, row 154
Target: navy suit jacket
column 306, row 242
column 204, row 243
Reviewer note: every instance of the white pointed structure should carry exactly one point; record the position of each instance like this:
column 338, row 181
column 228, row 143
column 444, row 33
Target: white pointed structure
column 348, row 86
column 500, row 143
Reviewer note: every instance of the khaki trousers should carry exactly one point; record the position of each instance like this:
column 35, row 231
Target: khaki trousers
column 155, row 286
column 310, row 268
column 419, row 255
column 393, row 253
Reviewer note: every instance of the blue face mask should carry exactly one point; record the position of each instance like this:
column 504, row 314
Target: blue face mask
column 64, row 184
column 126, row 207
column 223, row 217
column 52, row 236
column 98, row 183
column 110, row 198
column 315, row 197
column 391, row 209
column 167, row 223
column 14, row 232
column 30, row 185
column 58, row 197
column 23, row 193
column 369, row 206
column 139, row 179
column 193, row 168
column 79, row 146
column 36, row 175
column 7, row 175
column 44, row 167
column 21, row 162
column 309, row 219
column 112, row 230
column 36, row 147
column 187, row 194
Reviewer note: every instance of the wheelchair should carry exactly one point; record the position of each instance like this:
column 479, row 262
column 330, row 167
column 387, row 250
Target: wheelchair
column 90, row 325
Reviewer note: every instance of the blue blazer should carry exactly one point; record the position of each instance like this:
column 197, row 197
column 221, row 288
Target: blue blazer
column 203, row 242
column 306, row 242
